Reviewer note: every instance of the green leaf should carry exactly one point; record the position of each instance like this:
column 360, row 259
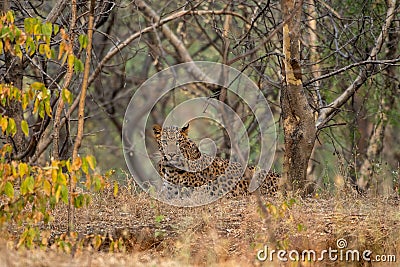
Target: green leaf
column 61, row 177
column 25, row 127
column 83, row 41
column 64, row 194
column 17, row 33
column 9, row 190
column 56, row 29
column 28, row 25
column 85, row 166
column 27, row 185
column 68, row 165
column 159, row 218
column 96, row 183
column 41, row 109
column 11, row 127
column 78, row 65
column 18, row 51
column 30, row 45
column 47, row 28
column 79, row 201
column 53, row 201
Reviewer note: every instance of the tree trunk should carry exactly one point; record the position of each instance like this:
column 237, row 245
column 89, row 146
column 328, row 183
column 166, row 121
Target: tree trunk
column 375, row 145
column 316, row 73
column 298, row 122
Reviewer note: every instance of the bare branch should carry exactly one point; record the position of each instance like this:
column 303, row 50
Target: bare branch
column 56, row 11
column 266, row 39
column 357, row 64
column 158, row 23
column 82, row 98
column 67, row 81
column 327, row 113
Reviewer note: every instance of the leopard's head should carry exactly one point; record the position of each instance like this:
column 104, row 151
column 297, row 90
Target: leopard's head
column 173, row 143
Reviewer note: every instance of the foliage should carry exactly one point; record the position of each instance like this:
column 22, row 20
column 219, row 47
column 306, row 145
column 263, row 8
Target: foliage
column 29, row 192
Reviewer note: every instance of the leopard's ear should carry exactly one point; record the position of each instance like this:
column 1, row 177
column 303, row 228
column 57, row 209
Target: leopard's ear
column 157, row 131
column 185, row 130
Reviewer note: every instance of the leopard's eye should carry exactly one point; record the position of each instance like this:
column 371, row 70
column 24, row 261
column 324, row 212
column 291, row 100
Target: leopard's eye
column 164, row 142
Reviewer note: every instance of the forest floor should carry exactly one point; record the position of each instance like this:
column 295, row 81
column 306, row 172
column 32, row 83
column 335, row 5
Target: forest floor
column 228, row 232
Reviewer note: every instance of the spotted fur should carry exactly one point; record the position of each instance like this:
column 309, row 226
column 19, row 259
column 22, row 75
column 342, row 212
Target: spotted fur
column 183, row 164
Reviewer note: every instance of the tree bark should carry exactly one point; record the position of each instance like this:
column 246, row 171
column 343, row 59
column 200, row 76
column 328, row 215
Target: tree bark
column 316, row 73
column 298, row 122
column 67, row 80
column 86, row 72
column 375, row 145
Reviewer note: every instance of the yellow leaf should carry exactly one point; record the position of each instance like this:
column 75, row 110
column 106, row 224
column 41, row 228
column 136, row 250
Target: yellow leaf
column 41, row 49
column 36, row 106
column 92, row 161
column 37, row 86
column 47, row 50
column 47, row 187
column 54, row 175
column 25, row 127
column 115, row 188
column 61, row 178
column 77, row 164
column 25, row 101
column 3, row 124
column 17, row 51
column 68, row 164
column 66, row 96
column 10, row 16
column 22, row 38
column 61, row 50
column 71, row 60
column 58, row 192
column 47, row 108
column 23, row 169
column 64, row 35
column 36, row 31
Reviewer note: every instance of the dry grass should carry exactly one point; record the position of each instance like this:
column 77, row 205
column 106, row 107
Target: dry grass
column 228, row 232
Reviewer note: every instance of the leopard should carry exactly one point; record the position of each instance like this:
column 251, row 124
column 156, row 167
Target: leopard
column 183, row 164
